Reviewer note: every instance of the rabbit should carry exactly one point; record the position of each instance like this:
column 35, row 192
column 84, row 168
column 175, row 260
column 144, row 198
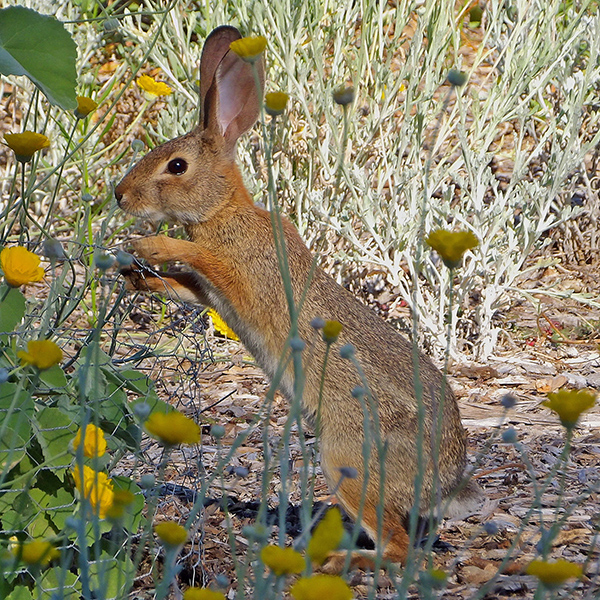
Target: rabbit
column 194, row 180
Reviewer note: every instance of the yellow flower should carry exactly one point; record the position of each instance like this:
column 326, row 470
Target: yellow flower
column 173, row 428
column 282, row 561
column 275, row 103
column 171, row 533
column 221, row 326
column 438, row 575
column 94, row 443
column 318, row 587
column 152, row 88
column 96, row 487
column 195, row 593
column 38, row 552
column 42, row 354
column 434, row 579
column 20, row 266
column 121, row 500
column 331, row 331
column 451, row 245
column 554, row 574
column 249, row 48
column 85, row 106
column 26, row 144
column 569, row 404
column 326, row 536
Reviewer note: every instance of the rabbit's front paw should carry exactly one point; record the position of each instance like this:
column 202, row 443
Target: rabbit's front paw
column 155, row 249
column 137, row 277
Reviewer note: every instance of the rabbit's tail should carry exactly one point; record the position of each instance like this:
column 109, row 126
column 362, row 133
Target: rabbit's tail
column 466, row 501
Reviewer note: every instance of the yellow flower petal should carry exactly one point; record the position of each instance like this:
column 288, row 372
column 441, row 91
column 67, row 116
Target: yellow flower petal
column 26, row 144
column 554, row 574
column 221, row 326
column 569, row 404
column 94, row 443
column 320, row 587
column 152, row 87
column 20, row 266
column 451, row 245
column 331, row 331
column 96, row 487
column 282, row 561
column 326, row 537
column 249, row 48
column 173, row 428
column 85, row 106
column 171, row 533
column 195, row 593
column 37, row 552
column 42, row 354
column 121, row 500
column 275, row 103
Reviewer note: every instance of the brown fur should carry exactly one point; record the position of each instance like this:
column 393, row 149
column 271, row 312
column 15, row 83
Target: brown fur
column 232, row 252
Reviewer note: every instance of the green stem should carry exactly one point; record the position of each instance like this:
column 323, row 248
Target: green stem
column 50, row 213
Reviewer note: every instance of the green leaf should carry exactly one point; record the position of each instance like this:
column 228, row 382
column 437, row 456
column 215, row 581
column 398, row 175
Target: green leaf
column 54, row 378
column 21, row 592
column 12, row 307
column 90, row 376
column 132, row 514
column 112, row 576
column 55, row 431
column 16, row 412
column 52, row 511
column 112, row 409
column 22, row 512
column 12, row 520
column 58, row 582
column 40, row 48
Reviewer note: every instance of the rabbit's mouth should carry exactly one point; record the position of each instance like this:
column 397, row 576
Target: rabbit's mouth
column 144, row 212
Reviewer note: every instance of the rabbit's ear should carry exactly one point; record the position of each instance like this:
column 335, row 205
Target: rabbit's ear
column 215, row 48
column 231, row 100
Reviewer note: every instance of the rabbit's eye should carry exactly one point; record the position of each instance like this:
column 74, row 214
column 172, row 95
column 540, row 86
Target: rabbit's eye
column 177, row 166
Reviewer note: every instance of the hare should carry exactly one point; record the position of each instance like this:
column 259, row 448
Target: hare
column 194, row 180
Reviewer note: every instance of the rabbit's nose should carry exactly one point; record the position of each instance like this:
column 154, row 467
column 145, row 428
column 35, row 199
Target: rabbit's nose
column 118, row 196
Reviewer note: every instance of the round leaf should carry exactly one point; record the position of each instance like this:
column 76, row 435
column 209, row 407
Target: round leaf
column 40, row 48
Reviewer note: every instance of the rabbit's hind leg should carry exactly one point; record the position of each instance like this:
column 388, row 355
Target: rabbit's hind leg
column 395, row 538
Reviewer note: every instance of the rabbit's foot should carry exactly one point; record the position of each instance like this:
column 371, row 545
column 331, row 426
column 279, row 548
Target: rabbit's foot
column 181, row 285
column 161, row 248
column 365, row 560
column 140, row 278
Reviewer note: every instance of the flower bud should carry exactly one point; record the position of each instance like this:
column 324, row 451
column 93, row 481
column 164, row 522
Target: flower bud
column 457, row 78
column 138, row 146
column 142, row 410
column 347, row 351
column 104, row 261
column 344, row 95
column 147, row 481
column 124, row 259
column 217, row 431
column 317, row 323
column 297, row 344
column 53, row 249
column 508, row 401
column 509, row 436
